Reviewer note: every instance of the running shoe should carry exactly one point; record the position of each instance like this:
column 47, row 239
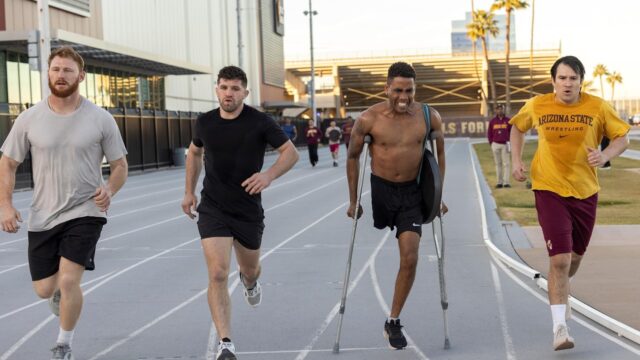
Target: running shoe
column 561, row 339
column 226, row 351
column 62, row 352
column 393, row 333
column 253, row 296
column 54, row 303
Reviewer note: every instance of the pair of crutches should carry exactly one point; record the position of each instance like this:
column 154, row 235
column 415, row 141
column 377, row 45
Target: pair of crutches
column 438, row 244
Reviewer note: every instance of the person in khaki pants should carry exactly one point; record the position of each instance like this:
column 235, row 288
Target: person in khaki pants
column 498, row 134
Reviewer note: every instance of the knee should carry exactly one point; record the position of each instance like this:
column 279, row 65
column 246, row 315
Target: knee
column 67, row 282
column 250, row 272
column 561, row 262
column 44, row 291
column 409, row 262
column 218, row 276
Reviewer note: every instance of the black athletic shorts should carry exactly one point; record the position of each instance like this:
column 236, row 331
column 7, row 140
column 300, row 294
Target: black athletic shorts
column 213, row 222
column 396, row 205
column 74, row 240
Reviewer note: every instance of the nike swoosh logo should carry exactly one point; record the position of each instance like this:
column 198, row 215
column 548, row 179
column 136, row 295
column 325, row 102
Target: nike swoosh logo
column 562, row 136
column 414, row 224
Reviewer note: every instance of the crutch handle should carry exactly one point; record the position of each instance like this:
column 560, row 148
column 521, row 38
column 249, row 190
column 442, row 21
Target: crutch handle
column 367, row 139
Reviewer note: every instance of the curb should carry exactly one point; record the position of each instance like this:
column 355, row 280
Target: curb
column 614, row 325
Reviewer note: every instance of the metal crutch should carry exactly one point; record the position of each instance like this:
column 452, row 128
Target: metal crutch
column 440, row 254
column 347, row 273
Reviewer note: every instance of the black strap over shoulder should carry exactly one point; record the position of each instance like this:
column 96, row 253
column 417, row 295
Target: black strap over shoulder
column 429, row 179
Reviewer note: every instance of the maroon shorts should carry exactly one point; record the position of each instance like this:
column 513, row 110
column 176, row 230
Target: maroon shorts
column 567, row 222
column 334, row 147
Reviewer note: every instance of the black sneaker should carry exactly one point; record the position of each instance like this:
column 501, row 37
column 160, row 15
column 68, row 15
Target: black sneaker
column 393, row 333
column 499, row 186
column 506, row 186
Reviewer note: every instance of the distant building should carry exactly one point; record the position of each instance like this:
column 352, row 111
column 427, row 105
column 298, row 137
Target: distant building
column 461, row 44
column 148, row 54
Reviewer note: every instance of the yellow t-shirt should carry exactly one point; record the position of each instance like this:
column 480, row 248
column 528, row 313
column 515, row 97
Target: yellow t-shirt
column 564, row 132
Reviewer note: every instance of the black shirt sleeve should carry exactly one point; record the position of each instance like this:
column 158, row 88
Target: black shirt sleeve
column 197, row 132
column 274, row 135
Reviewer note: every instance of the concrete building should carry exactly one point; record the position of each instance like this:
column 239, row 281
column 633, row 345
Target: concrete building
column 150, row 54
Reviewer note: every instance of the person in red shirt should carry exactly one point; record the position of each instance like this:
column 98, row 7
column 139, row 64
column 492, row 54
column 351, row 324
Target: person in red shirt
column 498, row 134
column 313, row 137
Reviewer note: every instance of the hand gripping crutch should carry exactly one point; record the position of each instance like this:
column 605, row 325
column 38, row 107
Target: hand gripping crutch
column 347, row 273
column 440, row 254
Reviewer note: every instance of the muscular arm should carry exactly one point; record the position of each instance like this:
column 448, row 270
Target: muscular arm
column 616, row 147
column 438, row 130
column 119, row 171
column 288, row 157
column 517, row 144
column 192, row 173
column 260, row 181
column 9, row 216
column 361, row 128
column 193, row 168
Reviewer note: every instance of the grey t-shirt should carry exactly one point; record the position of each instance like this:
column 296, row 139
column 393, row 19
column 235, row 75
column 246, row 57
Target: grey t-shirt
column 66, row 155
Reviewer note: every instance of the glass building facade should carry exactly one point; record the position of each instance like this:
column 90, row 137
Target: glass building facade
column 20, row 86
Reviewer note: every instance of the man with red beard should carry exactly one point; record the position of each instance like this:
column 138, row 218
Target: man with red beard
column 397, row 128
column 68, row 136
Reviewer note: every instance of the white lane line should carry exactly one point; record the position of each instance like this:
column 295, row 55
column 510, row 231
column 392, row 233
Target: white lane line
column 43, row 300
column 211, row 345
column 334, row 311
column 5, row 243
column 386, row 310
column 13, row 268
column 508, row 341
column 586, row 324
column 30, row 334
column 312, row 351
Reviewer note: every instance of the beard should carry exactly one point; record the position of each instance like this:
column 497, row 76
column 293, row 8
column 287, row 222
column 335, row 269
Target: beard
column 66, row 92
column 229, row 107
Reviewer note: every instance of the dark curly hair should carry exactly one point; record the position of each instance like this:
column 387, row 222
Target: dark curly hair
column 400, row 69
column 233, row 73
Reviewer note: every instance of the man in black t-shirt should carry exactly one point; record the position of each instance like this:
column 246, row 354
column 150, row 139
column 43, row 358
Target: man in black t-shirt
column 233, row 139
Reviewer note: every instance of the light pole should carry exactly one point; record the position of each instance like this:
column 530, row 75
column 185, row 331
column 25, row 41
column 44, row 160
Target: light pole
column 312, row 88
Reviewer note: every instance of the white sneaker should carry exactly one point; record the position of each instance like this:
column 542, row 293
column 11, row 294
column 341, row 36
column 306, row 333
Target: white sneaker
column 62, row 352
column 561, row 339
column 226, row 351
column 253, row 296
column 54, row 303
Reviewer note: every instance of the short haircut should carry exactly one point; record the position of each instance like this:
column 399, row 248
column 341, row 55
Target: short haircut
column 232, row 73
column 400, row 69
column 499, row 106
column 571, row 61
column 68, row 53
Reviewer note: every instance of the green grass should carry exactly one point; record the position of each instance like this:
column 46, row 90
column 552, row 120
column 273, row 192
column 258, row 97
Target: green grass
column 618, row 201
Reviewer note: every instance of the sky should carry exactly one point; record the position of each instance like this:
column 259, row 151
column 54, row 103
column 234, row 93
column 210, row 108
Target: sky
column 596, row 31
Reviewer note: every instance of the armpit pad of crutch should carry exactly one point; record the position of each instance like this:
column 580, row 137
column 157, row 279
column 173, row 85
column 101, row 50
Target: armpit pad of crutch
column 430, row 183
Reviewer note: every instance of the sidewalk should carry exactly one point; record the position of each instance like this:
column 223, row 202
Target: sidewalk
column 608, row 277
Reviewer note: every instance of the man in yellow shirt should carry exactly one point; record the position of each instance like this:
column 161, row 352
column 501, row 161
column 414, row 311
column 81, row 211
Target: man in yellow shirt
column 570, row 126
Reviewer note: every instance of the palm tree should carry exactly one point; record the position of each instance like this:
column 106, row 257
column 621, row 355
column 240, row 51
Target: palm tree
column 600, row 71
column 612, row 79
column 587, row 86
column 533, row 13
column 475, row 66
column 482, row 25
column 508, row 6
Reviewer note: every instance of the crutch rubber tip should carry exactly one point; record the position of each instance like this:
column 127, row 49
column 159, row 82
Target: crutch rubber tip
column 445, row 305
column 447, row 345
column 336, row 348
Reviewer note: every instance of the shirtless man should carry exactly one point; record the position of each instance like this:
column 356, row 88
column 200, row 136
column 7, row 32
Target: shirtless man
column 397, row 127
